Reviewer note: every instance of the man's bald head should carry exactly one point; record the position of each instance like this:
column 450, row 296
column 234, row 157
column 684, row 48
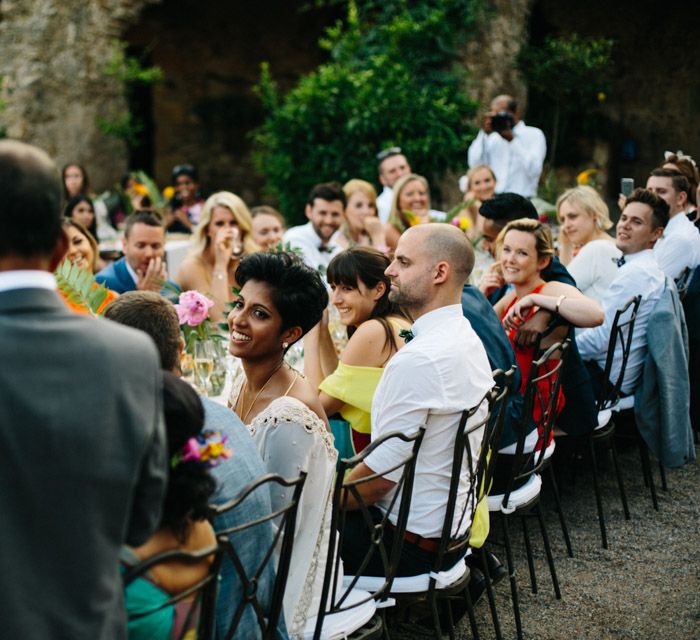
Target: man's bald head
column 30, row 201
column 445, row 242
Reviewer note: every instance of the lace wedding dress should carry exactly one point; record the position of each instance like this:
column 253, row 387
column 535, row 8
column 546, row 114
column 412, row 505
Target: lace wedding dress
column 291, row 438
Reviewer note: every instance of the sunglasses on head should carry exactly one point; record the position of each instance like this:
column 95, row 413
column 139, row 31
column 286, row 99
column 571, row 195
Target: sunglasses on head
column 387, row 153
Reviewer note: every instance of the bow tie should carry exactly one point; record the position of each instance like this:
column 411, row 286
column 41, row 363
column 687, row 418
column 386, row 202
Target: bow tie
column 406, row 334
column 620, row 261
column 325, row 249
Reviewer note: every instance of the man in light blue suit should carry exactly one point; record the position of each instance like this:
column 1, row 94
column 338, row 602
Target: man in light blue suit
column 149, row 312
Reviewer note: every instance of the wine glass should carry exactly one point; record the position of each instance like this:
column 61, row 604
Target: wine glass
column 203, row 364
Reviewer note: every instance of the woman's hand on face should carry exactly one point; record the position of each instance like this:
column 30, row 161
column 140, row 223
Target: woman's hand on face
column 323, row 323
column 492, row 279
column 516, row 314
column 375, row 230
column 223, row 245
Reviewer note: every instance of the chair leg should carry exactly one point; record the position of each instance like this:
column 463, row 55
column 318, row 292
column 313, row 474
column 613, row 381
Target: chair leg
column 620, row 483
column 548, row 551
column 662, row 473
column 472, row 618
column 489, row 593
column 598, row 497
column 513, row 583
column 528, row 553
column 649, row 475
column 560, row 511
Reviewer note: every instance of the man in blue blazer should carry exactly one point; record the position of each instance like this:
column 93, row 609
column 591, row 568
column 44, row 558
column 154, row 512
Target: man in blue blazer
column 143, row 266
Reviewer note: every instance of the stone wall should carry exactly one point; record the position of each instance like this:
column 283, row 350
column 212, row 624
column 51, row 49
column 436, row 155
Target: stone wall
column 52, row 58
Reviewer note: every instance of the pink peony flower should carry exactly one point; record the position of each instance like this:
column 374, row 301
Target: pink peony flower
column 193, row 308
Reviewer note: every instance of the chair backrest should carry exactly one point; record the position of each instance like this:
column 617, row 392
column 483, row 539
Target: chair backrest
column 279, row 551
column 200, row 598
column 682, row 282
column 333, row 598
column 504, row 381
column 621, row 333
column 541, row 393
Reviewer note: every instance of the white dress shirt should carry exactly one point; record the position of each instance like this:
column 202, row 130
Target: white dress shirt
column 595, row 267
column 679, row 247
column 639, row 275
column 384, row 203
column 26, row 279
column 517, row 164
column 314, row 253
column 429, row 382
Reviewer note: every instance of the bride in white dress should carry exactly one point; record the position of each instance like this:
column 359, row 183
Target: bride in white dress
column 279, row 301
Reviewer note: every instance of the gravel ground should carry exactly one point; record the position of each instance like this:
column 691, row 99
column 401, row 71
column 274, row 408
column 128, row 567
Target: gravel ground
column 645, row 585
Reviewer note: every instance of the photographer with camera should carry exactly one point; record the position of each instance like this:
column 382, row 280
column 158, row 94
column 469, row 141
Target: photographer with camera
column 512, row 149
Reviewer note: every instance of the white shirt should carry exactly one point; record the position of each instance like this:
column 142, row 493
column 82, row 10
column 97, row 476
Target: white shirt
column 307, row 241
column 517, row 164
column 595, row 267
column 384, row 203
column 26, row 279
column 429, row 382
column 679, row 247
column 639, row 275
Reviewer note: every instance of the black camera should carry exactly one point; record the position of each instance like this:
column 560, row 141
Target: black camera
column 502, row 121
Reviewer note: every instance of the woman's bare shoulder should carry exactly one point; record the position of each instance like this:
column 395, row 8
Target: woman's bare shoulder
column 192, row 273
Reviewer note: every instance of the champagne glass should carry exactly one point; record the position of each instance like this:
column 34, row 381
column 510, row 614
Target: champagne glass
column 203, row 364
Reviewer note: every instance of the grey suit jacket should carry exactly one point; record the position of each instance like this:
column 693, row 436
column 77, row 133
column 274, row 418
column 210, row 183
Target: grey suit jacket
column 82, row 465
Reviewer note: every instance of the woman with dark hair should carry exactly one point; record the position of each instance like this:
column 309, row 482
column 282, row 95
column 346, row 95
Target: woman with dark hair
column 280, row 300
column 81, row 209
column 185, row 207
column 75, row 180
column 76, row 183
column 360, row 292
column 183, row 526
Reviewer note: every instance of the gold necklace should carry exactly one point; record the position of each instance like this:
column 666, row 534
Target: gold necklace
column 257, row 395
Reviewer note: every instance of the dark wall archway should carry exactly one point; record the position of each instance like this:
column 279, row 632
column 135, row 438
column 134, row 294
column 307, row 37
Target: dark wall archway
column 210, row 52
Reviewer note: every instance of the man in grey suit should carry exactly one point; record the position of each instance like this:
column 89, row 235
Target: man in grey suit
column 83, row 446
column 154, row 315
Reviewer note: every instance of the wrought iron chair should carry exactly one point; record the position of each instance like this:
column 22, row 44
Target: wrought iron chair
column 501, row 392
column 279, row 552
column 471, row 464
column 682, row 282
column 621, row 335
column 349, row 610
column 201, row 597
column 542, row 388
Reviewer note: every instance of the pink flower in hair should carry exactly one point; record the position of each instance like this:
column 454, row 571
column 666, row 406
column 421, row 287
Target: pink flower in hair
column 193, row 308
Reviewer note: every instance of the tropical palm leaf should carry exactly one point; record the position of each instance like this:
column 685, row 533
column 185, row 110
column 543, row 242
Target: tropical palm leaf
column 79, row 287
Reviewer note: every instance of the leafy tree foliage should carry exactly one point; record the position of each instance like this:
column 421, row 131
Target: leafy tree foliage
column 392, row 78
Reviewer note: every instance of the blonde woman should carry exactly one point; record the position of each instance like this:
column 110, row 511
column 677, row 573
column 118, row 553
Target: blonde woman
column 411, row 205
column 585, row 247
column 222, row 237
column 362, row 227
column 479, row 185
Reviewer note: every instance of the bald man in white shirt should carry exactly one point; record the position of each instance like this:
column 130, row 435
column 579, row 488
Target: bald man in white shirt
column 439, row 373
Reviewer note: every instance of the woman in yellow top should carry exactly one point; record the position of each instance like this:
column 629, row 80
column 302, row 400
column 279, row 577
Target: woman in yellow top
column 360, row 293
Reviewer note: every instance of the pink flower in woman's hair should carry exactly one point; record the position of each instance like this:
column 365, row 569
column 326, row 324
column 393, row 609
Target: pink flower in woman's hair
column 193, row 308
